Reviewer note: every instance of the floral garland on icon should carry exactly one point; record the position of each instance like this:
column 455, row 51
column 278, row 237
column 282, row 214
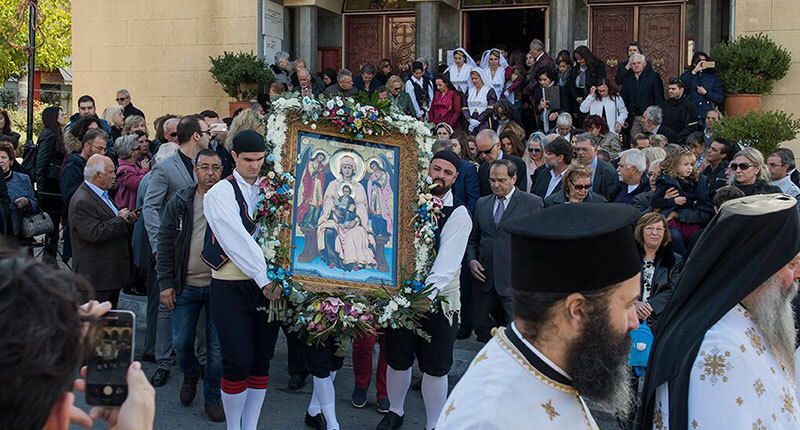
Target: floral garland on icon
column 345, row 315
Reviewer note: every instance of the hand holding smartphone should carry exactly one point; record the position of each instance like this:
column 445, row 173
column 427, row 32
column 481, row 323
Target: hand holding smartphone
column 110, row 356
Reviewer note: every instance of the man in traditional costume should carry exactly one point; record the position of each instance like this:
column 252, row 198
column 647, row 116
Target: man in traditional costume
column 569, row 339
column 724, row 355
column 240, row 289
column 435, row 357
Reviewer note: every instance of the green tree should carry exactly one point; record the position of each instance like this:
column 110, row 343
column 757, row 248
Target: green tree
column 54, row 36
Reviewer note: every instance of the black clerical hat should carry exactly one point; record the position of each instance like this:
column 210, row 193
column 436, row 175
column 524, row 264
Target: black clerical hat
column 574, row 247
column 248, row 141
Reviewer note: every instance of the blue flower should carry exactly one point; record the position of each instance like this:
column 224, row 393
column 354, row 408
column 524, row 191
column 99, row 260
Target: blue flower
column 360, row 136
column 373, row 117
column 286, row 188
column 280, row 191
column 271, row 275
column 271, row 158
column 302, row 319
column 281, row 274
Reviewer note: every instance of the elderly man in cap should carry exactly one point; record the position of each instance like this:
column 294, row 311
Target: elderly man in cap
column 569, row 339
column 435, row 356
column 723, row 357
column 240, row 289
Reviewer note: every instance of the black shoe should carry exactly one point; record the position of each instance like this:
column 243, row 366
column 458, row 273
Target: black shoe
column 160, row 378
column 189, row 389
column 317, row 421
column 297, row 381
column 215, row 412
column 464, row 333
column 416, row 385
column 148, row 358
column 391, row 421
column 359, row 398
column 383, row 405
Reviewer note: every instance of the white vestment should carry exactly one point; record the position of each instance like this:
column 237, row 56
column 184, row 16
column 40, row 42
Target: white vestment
column 736, row 382
column 503, row 390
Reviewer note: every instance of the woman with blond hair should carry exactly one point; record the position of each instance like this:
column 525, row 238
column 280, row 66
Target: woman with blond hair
column 247, row 119
column 114, row 117
column 749, row 173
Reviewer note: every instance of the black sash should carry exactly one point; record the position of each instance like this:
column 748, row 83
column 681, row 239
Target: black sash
column 534, row 359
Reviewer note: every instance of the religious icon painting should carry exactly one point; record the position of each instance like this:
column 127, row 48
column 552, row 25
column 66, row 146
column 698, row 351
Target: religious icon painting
column 346, row 211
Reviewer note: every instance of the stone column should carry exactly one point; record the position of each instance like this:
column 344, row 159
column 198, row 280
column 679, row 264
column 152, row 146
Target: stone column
column 305, row 35
column 562, row 26
column 709, row 25
column 427, row 32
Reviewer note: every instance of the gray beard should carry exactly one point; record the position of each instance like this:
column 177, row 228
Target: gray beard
column 773, row 313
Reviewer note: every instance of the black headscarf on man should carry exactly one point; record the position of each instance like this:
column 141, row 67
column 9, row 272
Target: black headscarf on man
column 747, row 242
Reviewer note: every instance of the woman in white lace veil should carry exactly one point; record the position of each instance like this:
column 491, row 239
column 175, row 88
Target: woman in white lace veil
column 493, row 62
column 458, row 67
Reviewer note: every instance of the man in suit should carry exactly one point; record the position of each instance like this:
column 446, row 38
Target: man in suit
column 652, row 122
column 488, row 143
column 99, row 233
column 488, row 247
column 166, row 178
column 604, row 176
column 217, row 141
column 306, row 85
column 547, row 179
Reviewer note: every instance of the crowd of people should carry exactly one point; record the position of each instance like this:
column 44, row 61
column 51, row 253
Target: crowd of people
column 169, row 216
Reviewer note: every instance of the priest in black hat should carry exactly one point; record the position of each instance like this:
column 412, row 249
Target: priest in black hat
column 724, row 355
column 574, row 285
column 435, row 357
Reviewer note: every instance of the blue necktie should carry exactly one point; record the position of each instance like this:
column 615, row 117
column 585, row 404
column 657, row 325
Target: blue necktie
column 498, row 213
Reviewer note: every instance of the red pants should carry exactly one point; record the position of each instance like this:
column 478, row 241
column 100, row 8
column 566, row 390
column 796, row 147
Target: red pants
column 363, row 348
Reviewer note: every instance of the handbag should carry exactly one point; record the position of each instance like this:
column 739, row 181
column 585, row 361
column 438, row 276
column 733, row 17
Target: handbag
column 642, row 343
column 36, row 224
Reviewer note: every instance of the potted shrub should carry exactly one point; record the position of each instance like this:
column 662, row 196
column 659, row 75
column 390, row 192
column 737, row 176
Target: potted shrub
column 748, row 67
column 764, row 131
column 240, row 76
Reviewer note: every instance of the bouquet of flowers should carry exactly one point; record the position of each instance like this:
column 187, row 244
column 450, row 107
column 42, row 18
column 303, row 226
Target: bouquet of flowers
column 404, row 308
column 343, row 317
column 426, row 222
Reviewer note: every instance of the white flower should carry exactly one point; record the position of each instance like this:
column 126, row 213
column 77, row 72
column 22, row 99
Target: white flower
column 314, row 126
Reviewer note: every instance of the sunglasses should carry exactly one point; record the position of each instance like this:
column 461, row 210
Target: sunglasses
column 173, row 134
column 742, row 166
column 487, row 152
column 536, row 150
column 579, row 187
column 121, row 99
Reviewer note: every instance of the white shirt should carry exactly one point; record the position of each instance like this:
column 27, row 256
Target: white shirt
column 632, row 187
column 787, row 186
column 460, row 78
column 616, row 112
column 103, row 194
column 222, row 214
column 506, row 199
column 555, row 178
column 498, row 81
column 452, row 244
column 410, row 90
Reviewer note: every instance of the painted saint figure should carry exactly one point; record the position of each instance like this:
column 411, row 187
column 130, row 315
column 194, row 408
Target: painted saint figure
column 349, row 245
column 310, row 192
column 381, row 198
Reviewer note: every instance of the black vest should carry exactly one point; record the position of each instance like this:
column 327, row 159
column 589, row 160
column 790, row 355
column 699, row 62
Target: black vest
column 421, row 93
column 447, row 211
column 213, row 254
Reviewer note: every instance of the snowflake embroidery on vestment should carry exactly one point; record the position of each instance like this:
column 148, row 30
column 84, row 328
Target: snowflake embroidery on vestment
column 658, row 418
column 739, row 401
column 480, row 358
column 694, row 424
column 714, row 364
column 755, row 341
column 550, row 410
column 759, row 386
column 449, row 409
column 788, row 403
column 758, row 425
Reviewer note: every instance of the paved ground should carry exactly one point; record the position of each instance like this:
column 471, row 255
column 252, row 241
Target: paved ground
column 284, row 409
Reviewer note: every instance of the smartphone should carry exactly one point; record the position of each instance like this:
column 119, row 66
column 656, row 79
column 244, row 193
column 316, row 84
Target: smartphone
column 110, row 356
column 218, row 127
column 138, row 211
column 708, row 64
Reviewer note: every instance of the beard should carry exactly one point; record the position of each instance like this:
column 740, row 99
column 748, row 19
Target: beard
column 597, row 362
column 772, row 310
column 440, row 189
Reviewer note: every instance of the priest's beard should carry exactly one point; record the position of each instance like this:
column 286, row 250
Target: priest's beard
column 597, row 362
column 771, row 309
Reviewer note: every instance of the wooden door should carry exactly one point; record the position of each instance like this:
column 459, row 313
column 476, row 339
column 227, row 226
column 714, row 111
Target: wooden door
column 401, row 43
column 364, row 40
column 329, row 57
column 612, row 29
column 661, row 37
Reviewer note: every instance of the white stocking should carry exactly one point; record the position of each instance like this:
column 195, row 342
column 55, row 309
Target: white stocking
column 397, row 383
column 434, row 393
column 326, row 395
column 233, row 404
column 252, row 408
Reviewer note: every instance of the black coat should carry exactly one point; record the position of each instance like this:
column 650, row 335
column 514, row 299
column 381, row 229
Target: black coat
column 71, row 179
column 759, row 187
column 716, row 177
column 668, row 267
column 522, row 179
column 565, row 106
column 667, row 132
column 130, row 109
column 174, row 240
column 541, row 179
column 226, row 159
column 559, row 197
column 641, row 93
column 606, row 180
column 680, row 115
column 48, row 161
column 5, row 204
column 698, row 208
column 622, row 72
column 593, row 77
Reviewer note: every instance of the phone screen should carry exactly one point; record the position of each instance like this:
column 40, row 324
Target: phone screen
column 110, row 356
